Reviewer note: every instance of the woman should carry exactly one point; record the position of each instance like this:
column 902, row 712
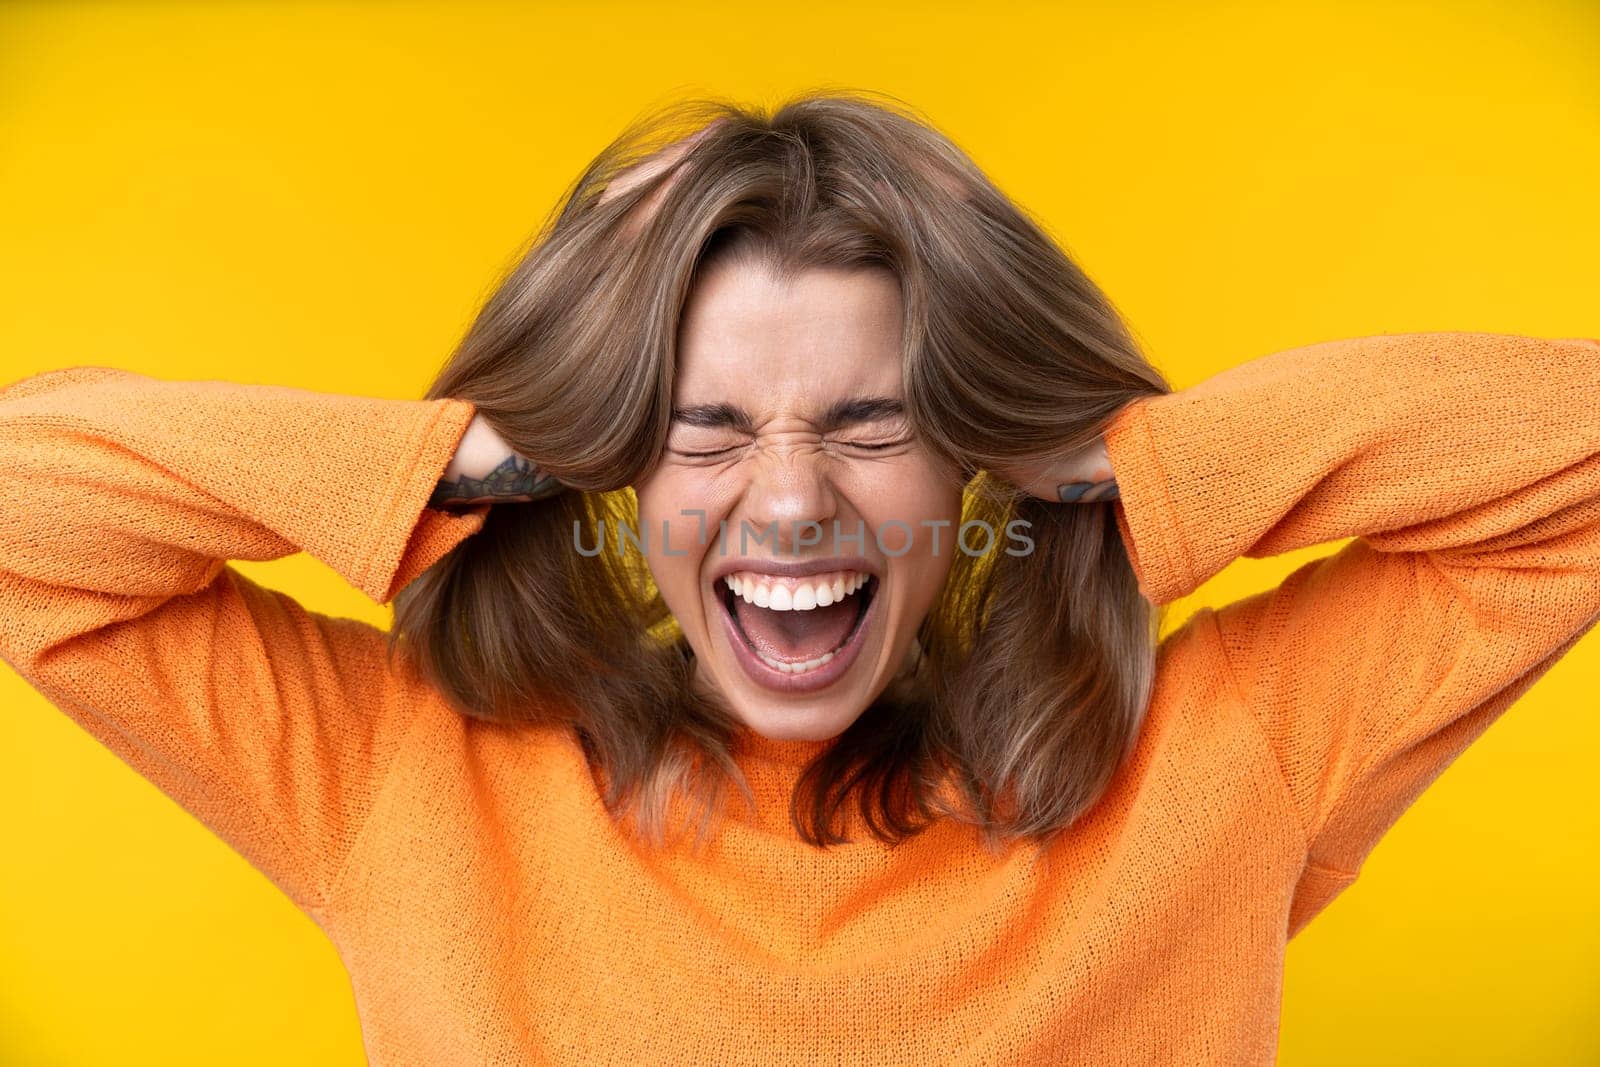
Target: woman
column 951, row 803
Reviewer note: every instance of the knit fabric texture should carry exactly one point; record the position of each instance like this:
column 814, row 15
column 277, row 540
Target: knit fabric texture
column 488, row 910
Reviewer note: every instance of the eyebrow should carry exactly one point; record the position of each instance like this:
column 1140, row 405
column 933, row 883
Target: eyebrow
column 841, row 413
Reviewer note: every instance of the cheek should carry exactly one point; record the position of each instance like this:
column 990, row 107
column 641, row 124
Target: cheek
column 663, row 500
column 915, row 498
column 910, row 493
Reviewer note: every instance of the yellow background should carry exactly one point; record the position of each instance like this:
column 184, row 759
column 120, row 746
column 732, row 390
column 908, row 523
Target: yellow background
column 321, row 195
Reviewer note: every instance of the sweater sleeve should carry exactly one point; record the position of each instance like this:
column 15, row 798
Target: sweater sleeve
column 1466, row 466
column 122, row 497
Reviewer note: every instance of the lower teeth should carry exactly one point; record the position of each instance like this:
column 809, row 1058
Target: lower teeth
column 796, row 668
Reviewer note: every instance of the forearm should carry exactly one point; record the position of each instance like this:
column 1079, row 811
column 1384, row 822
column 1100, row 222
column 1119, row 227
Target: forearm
column 121, row 489
column 1457, row 443
column 485, row 469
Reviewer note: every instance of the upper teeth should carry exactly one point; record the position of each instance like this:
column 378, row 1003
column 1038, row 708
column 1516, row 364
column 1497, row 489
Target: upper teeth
column 794, row 594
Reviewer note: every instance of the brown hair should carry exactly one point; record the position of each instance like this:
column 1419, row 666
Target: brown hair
column 1037, row 669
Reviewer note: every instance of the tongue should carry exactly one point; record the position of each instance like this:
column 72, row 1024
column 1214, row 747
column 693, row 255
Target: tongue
column 796, row 636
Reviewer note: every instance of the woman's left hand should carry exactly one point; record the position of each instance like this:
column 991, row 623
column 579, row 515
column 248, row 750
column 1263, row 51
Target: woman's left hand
column 1085, row 477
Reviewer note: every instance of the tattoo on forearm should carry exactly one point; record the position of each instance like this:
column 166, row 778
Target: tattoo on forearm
column 514, row 479
column 1087, row 492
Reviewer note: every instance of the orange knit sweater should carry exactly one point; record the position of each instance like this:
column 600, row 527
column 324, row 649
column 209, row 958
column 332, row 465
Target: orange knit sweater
column 488, row 911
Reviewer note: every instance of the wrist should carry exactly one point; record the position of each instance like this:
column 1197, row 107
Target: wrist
column 485, row 469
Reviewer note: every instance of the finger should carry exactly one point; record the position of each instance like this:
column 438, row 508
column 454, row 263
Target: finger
column 652, row 165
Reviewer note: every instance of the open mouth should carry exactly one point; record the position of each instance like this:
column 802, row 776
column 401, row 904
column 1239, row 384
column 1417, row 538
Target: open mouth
column 797, row 634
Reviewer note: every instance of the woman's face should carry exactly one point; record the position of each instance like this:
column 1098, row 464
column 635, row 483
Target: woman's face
column 791, row 471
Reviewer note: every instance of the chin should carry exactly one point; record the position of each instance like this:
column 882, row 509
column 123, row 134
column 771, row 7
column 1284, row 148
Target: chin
column 788, row 724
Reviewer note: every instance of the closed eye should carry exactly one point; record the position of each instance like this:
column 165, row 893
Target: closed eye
column 705, row 455
column 708, row 452
column 863, row 446
column 876, row 446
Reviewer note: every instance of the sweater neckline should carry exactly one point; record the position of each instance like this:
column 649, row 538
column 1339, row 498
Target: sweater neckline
column 790, row 754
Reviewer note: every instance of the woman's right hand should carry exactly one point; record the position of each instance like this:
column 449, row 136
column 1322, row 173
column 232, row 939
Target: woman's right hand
column 485, row 470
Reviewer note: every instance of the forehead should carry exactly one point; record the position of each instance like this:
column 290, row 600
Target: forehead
column 828, row 331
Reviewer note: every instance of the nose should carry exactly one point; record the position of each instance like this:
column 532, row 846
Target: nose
column 789, row 489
